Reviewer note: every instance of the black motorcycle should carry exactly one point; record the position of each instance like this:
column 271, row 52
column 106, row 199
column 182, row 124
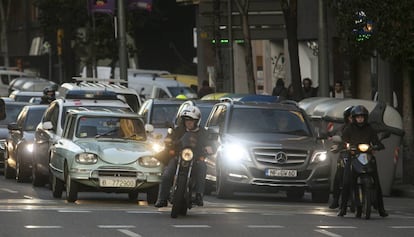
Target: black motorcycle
column 182, row 189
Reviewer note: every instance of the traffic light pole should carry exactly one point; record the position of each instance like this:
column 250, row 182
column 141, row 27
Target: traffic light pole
column 323, row 62
column 123, row 63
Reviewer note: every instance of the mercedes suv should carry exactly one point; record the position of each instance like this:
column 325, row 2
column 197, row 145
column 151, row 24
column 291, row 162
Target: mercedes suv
column 266, row 147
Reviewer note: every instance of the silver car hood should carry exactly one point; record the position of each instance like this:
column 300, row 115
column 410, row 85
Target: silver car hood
column 117, row 153
column 273, row 140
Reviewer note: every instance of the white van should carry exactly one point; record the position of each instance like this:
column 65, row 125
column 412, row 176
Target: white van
column 153, row 86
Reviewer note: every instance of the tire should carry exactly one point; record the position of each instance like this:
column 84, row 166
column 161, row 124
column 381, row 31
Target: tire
column 57, row 187
column 366, row 201
column 179, row 202
column 152, row 194
column 133, row 195
column 223, row 189
column 295, row 195
column 22, row 173
column 320, row 196
column 37, row 179
column 71, row 187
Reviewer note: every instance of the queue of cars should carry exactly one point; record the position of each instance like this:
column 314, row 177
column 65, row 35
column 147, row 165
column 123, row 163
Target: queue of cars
column 75, row 147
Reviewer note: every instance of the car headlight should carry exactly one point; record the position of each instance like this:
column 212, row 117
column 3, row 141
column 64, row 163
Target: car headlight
column 187, row 154
column 234, row 152
column 86, row 158
column 157, row 146
column 363, row 147
column 319, row 156
column 29, row 147
column 149, row 161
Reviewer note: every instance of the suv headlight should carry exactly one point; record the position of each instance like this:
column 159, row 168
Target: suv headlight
column 29, row 147
column 234, row 152
column 149, row 161
column 319, row 156
column 86, row 158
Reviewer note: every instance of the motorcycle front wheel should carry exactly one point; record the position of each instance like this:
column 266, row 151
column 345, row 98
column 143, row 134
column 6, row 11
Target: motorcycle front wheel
column 178, row 200
column 366, row 204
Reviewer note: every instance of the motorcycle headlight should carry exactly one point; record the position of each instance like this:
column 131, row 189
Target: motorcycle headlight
column 29, row 147
column 363, row 147
column 86, row 158
column 149, row 161
column 319, row 156
column 187, row 154
column 234, row 152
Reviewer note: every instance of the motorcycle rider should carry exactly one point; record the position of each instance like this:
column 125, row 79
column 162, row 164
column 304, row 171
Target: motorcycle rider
column 358, row 132
column 190, row 123
column 342, row 158
column 49, row 95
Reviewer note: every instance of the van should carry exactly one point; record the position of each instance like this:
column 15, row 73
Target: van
column 6, row 76
column 153, row 86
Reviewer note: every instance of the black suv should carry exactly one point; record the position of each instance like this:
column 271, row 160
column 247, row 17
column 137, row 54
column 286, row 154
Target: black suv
column 266, row 146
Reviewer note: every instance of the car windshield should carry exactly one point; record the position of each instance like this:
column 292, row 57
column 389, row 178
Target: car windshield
column 265, row 120
column 110, row 127
column 163, row 115
column 180, row 90
column 33, row 119
column 95, row 108
column 12, row 111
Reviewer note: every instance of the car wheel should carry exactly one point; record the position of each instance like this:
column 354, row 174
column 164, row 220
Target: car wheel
column 320, row 196
column 9, row 172
column 152, row 194
column 57, row 187
column 21, row 171
column 71, row 187
column 223, row 189
column 37, row 179
column 133, row 195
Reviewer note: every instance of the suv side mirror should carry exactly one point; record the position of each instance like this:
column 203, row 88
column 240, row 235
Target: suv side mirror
column 47, row 125
column 13, row 126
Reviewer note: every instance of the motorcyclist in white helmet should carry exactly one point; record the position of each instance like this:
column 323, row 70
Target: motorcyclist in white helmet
column 190, row 122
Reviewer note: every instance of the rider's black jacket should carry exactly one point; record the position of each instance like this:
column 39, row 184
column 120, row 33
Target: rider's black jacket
column 200, row 139
column 355, row 135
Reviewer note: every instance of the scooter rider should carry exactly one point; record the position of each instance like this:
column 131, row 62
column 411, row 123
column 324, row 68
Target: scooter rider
column 49, row 95
column 359, row 131
column 342, row 158
column 190, row 122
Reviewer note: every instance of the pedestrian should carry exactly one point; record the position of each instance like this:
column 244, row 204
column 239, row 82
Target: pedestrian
column 280, row 90
column 338, row 91
column 307, row 89
column 205, row 89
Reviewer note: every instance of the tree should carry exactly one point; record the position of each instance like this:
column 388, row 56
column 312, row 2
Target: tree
column 290, row 10
column 390, row 27
column 243, row 7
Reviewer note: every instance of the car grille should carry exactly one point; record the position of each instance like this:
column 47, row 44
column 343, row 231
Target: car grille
column 117, row 173
column 280, row 157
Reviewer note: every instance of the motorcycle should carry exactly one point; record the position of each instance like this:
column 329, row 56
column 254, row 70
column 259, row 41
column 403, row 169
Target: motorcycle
column 363, row 185
column 182, row 195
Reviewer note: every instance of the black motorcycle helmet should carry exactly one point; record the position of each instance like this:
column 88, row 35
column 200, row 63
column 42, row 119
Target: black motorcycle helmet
column 357, row 111
column 49, row 93
column 347, row 113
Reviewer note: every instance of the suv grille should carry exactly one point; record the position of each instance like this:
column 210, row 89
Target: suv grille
column 280, row 157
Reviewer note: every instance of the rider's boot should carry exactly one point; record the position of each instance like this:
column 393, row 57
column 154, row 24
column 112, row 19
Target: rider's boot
column 382, row 212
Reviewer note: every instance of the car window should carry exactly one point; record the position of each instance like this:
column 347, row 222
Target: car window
column 12, row 111
column 180, row 90
column 34, row 117
column 264, row 120
column 163, row 115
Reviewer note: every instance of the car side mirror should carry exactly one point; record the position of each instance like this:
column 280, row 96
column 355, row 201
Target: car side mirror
column 47, row 125
column 13, row 126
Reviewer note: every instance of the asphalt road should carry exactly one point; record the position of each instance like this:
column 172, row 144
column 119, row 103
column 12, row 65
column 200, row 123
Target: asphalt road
column 28, row 211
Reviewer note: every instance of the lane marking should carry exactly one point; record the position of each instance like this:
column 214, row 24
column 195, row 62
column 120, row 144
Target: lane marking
column 403, row 227
column 115, row 226
column 10, row 210
column 73, row 211
column 129, row 233
column 42, row 226
column 143, row 212
column 325, row 232
column 335, row 227
column 265, row 226
column 9, row 190
column 191, row 226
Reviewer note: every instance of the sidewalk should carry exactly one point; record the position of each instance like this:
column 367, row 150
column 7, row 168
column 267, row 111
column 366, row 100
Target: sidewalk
column 402, row 190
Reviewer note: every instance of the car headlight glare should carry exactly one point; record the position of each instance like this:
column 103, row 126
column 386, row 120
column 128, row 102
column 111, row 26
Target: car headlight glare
column 29, row 147
column 319, row 156
column 86, row 158
column 157, row 147
column 149, row 161
column 363, row 147
column 235, row 152
column 187, row 154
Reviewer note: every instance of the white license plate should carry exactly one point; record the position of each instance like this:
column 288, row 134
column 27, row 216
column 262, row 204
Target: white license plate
column 119, row 182
column 281, row 173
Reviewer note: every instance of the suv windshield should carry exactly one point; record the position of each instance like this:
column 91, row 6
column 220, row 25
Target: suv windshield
column 265, row 120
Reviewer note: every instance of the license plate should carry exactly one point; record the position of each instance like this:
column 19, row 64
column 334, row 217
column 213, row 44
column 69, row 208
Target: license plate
column 118, row 182
column 281, row 173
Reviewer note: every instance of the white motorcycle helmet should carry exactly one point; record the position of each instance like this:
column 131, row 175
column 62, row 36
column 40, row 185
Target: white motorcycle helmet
column 192, row 112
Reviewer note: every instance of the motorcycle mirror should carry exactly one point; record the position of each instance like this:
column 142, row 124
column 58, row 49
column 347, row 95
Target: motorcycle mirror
column 169, row 130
